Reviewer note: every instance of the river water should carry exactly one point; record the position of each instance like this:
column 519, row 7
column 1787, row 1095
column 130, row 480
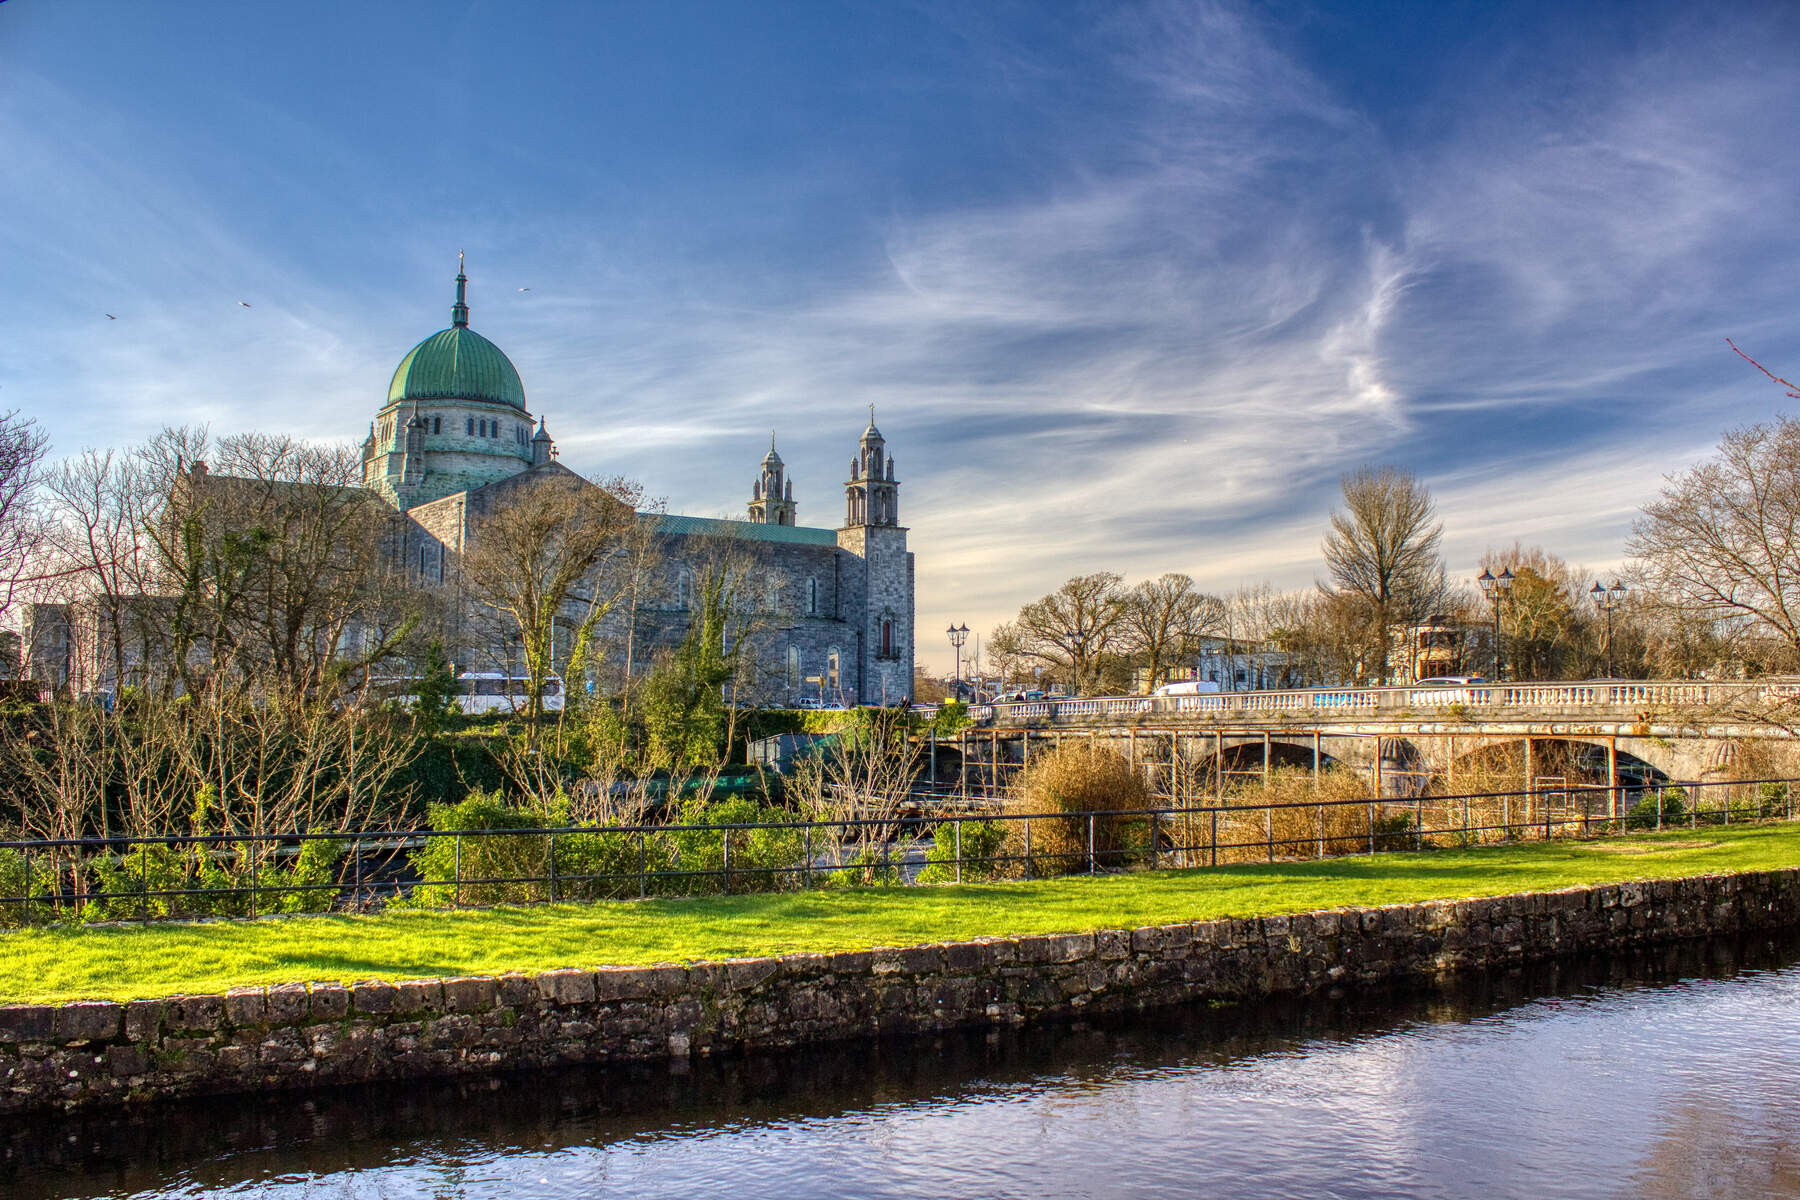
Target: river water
column 1664, row 1075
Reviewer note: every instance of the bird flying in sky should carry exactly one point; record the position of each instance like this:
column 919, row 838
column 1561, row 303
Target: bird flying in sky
column 110, row 317
column 524, row 289
column 241, row 304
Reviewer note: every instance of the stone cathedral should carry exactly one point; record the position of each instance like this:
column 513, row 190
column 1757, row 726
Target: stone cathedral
column 454, row 439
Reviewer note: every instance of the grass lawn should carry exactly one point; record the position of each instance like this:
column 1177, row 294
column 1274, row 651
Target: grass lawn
column 158, row 960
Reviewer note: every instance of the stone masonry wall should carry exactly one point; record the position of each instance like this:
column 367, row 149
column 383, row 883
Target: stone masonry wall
column 301, row 1035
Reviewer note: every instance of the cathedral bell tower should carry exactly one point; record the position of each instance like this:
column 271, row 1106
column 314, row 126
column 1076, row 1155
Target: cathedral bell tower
column 872, row 496
column 772, row 495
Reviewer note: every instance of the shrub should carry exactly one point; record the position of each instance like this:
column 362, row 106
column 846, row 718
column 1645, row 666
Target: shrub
column 1078, row 778
column 982, row 844
column 17, row 880
column 507, row 865
column 1307, row 813
column 762, row 860
column 1772, row 800
column 1643, row 814
column 155, row 881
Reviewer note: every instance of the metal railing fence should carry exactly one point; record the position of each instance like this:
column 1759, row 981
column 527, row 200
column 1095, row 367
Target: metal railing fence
column 222, row 875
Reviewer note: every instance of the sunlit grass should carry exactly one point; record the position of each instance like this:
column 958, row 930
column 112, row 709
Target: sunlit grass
column 157, row 960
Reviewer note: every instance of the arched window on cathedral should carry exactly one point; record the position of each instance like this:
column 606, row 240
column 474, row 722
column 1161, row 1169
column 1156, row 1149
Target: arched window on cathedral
column 812, row 597
column 469, row 426
column 887, row 638
column 793, row 668
column 831, row 668
column 682, row 589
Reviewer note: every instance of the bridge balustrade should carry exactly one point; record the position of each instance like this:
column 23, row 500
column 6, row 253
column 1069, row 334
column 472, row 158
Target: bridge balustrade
column 1576, row 695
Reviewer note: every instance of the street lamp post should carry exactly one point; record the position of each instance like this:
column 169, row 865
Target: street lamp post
column 958, row 635
column 1606, row 599
column 1496, row 588
column 1077, row 641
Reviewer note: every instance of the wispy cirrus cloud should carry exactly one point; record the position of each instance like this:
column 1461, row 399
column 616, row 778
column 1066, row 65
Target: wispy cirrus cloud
column 1188, row 280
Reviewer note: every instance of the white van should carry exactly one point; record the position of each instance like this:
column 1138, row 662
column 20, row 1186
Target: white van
column 1188, row 687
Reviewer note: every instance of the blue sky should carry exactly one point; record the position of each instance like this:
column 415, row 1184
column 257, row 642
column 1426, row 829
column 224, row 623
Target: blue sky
column 1131, row 285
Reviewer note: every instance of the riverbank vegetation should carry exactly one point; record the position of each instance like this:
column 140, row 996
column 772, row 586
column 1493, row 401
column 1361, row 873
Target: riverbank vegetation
column 126, row 961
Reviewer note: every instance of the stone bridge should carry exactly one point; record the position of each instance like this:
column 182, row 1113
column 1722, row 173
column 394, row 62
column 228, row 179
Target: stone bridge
column 1631, row 732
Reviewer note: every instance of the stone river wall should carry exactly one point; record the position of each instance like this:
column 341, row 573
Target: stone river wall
column 304, row 1035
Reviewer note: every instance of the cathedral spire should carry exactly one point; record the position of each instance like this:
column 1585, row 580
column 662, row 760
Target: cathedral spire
column 459, row 312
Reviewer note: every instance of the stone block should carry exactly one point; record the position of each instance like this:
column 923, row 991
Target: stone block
column 374, row 996
column 805, row 965
column 854, row 963
column 968, row 956
column 922, row 960
column 89, row 1020
column 469, row 993
column 516, row 989
column 287, row 1004
column 622, row 983
column 419, row 996
column 1111, row 945
column 1149, row 940
column 27, row 1023
column 203, row 1014
column 566, row 987
column 1056, row 948
column 328, row 1001
column 126, row 1061
column 143, row 1020
column 743, row 974
column 246, row 1006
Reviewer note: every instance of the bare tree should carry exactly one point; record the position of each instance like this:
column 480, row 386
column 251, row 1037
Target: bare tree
column 1720, row 539
column 22, row 449
column 1382, row 548
column 535, row 563
column 1161, row 619
column 1074, row 625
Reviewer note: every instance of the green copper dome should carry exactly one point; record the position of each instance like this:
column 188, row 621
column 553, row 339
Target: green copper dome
column 457, row 364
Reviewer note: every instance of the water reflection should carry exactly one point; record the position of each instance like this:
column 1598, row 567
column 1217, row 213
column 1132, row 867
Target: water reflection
column 1664, row 1075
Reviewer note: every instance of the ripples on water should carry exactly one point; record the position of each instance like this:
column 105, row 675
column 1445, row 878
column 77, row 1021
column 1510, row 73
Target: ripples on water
column 1664, row 1076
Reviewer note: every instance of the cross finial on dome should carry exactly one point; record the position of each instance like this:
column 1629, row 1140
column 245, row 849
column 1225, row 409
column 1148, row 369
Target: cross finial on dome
column 459, row 312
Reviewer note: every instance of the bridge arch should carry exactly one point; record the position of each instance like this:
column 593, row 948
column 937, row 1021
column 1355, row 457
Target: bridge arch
column 1640, row 762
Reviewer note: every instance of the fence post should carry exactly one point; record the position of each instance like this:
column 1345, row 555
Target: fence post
column 1418, row 822
column 456, row 891
column 253, row 861
column 1693, row 807
column 806, row 839
column 1269, row 830
column 1371, row 828
column 725, row 842
column 144, row 882
column 958, row 828
column 28, row 887
column 643, row 865
column 356, row 874
column 1091, row 843
column 1028, row 847
column 1155, row 828
column 1215, row 837
column 553, row 866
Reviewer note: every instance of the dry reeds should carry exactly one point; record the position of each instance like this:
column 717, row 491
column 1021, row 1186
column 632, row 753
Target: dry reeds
column 1103, row 794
